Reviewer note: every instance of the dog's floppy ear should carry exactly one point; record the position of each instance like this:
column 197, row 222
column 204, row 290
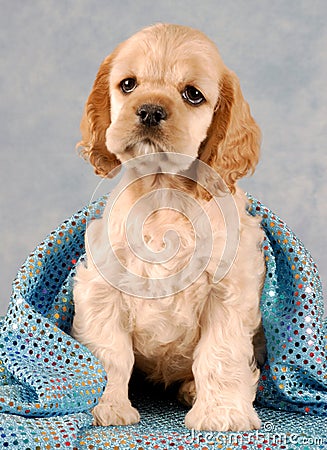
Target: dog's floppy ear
column 95, row 121
column 233, row 140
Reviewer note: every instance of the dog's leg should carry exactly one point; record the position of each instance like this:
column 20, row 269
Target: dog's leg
column 100, row 325
column 224, row 367
column 117, row 358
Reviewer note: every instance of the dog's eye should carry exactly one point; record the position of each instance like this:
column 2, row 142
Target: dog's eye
column 128, row 85
column 193, row 96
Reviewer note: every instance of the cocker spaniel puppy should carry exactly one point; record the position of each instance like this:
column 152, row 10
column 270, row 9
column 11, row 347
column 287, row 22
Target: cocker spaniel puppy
column 166, row 92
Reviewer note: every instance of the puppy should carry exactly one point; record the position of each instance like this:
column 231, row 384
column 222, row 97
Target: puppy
column 166, row 91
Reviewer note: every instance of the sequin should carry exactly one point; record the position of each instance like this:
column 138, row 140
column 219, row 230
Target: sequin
column 284, row 264
column 49, row 382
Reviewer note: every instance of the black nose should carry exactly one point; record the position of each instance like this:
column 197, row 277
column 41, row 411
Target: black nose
column 151, row 115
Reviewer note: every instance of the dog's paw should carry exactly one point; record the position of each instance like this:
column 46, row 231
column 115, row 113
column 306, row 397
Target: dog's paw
column 187, row 393
column 219, row 418
column 106, row 414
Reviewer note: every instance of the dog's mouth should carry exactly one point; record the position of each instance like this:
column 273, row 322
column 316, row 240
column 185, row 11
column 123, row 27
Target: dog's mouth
column 146, row 146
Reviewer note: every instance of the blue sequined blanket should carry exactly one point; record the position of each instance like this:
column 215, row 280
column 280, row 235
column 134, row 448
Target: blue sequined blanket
column 49, row 382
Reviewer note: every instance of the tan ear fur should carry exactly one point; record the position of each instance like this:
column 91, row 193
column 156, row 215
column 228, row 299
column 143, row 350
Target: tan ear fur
column 95, row 121
column 233, row 142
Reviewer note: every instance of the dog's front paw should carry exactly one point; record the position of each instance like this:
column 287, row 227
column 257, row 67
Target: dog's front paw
column 105, row 414
column 220, row 418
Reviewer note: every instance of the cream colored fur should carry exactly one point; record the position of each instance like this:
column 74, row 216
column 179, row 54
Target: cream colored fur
column 202, row 336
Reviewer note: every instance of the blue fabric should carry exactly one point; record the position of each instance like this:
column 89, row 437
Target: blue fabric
column 49, row 382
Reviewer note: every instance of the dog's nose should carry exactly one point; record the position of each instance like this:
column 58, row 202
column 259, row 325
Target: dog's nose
column 151, row 115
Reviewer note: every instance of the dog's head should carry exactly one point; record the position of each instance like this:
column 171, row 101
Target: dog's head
column 167, row 89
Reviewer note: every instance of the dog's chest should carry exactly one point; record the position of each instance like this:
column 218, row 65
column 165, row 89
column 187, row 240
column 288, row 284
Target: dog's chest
column 166, row 331
column 166, row 327
column 172, row 318
column 169, row 259
column 154, row 247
